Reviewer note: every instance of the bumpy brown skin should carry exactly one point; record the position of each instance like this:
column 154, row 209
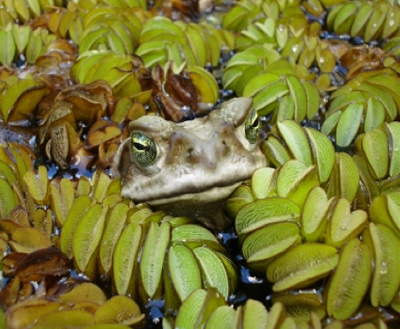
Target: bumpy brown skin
column 199, row 163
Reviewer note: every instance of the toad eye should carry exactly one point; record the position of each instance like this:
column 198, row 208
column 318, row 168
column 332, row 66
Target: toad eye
column 252, row 127
column 143, row 149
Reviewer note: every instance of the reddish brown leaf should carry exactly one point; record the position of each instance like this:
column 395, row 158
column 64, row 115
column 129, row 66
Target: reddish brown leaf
column 42, row 263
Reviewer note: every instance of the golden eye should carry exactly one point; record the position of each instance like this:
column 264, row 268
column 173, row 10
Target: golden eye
column 252, row 127
column 143, row 149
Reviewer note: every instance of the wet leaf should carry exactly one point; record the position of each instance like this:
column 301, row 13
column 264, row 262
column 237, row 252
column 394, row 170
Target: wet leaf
column 152, row 259
column 78, row 210
column 261, row 182
column 88, row 235
column 385, row 279
column 302, row 306
column 270, row 241
column 323, row 153
column 37, row 184
column 7, row 199
column 205, row 84
column 23, row 314
column 394, row 128
column 302, row 266
column 255, row 315
column 41, row 264
column 85, row 292
column 295, row 180
column 7, row 52
column 102, row 134
column 343, row 224
column 191, row 310
column 223, row 318
column 125, row 257
column 348, row 124
column 101, row 184
column 76, row 318
column 264, row 212
column 20, row 92
column 350, row 280
column 298, row 93
column 190, row 232
column 115, row 223
column 28, row 239
column 119, row 310
column 314, row 214
column 62, row 198
column 376, row 149
column 184, row 271
column 213, row 270
column 296, row 140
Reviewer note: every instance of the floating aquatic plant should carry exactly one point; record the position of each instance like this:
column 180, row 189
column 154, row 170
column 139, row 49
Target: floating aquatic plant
column 315, row 219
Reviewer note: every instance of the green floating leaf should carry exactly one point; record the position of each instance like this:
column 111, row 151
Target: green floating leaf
column 255, row 315
column 270, row 241
column 125, row 257
column 115, row 223
column 350, row 281
column 152, row 259
column 302, row 265
column 78, row 210
column 184, row 270
column 264, row 212
column 37, row 184
column 348, row 124
column 213, row 270
column 7, row 199
column 88, row 235
column 119, row 309
column 7, row 51
column 376, row 148
column 222, row 318
column 261, row 182
column 302, row 306
column 62, row 198
column 296, row 140
column 190, row 310
column 343, row 224
column 386, row 279
column 394, row 128
column 295, row 180
column 323, row 153
column 314, row 214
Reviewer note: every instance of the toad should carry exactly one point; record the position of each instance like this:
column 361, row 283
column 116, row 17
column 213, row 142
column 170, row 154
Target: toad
column 190, row 168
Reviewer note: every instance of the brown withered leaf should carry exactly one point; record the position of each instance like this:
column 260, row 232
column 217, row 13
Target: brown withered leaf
column 9, row 294
column 186, row 10
column 41, row 264
column 91, row 101
column 101, row 132
column 11, row 261
column 63, row 143
column 61, row 110
column 107, row 152
column 83, row 158
column 363, row 58
column 174, row 94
